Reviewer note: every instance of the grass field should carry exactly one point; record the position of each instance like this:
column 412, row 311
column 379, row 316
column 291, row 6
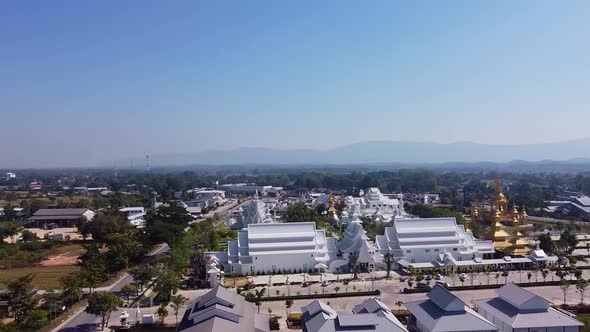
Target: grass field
column 46, row 277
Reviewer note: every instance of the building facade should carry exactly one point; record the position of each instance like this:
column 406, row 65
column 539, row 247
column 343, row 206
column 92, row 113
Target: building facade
column 518, row 310
column 277, row 248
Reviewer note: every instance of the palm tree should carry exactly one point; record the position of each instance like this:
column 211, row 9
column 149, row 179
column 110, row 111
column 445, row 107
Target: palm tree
column 487, row 273
column 337, row 289
column 388, row 262
column 258, row 294
column 582, row 285
column 565, row 286
column 288, row 304
column 353, row 261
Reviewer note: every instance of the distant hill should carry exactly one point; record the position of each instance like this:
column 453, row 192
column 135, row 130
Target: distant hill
column 576, row 151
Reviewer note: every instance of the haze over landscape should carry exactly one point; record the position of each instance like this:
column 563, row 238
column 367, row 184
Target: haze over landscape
column 264, row 82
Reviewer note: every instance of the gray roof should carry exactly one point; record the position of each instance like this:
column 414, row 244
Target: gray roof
column 51, row 214
column 445, row 299
column 319, row 317
column 440, row 313
column 531, row 312
column 221, row 310
column 518, row 296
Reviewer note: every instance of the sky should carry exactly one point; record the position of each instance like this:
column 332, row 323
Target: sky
column 86, row 83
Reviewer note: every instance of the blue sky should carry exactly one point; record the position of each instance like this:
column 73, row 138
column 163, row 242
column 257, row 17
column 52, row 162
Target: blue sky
column 84, row 83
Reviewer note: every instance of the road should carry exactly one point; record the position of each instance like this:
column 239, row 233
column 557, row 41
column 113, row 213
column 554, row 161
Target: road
column 80, row 321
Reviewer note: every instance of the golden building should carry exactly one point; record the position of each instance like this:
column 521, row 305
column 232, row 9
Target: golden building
column 518, row 247
column 498, row 235
column 498, row 213
column 499, row 204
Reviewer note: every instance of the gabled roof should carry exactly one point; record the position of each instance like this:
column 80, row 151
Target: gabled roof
column 519, row 308
column 440, row 313
column 221, row 310
column 317, row 307
column 445, row 299
column 319, row 317
column 518, row 296
column 370, row 306
column 54, row 214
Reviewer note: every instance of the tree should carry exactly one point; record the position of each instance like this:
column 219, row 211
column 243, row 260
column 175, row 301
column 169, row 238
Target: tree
column 567, row 241
column 388, row 262
column 102, row 304
column 545, row 273
column 71, row 286
column 123, row 248
column 34, row 320
column 353, row 262
column 336, row 289
column 162, row 313
column 20, row 299
column 28, row 236
column 93, row 265
column 129, row 290
column 103, row 225
column 288, row 304
column 299, row 212
column 142, row 275
column 471, row 274
column 10, row 228
column 53, row 303
column 166, row 224
column 582, row 286
column 177, row 301
column 256, row 297
column 167, row 282
column 565, row 286
column 546, row 243
column 487, row 273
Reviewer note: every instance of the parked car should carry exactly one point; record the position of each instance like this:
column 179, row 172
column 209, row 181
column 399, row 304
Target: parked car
column 463, row 275
column 438, row 276
column 442, row 283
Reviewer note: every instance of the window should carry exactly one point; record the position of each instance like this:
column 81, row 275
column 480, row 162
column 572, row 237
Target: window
column 408, row 251
column 454, row 249
column 427, row 250
column 435, row 250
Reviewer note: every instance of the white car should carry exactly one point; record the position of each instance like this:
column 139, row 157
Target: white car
column 463, row 275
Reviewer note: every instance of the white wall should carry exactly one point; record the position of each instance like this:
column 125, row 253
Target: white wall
column 268, row 263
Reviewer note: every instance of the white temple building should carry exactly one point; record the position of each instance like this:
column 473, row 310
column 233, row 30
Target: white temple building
column 355, row 240
column 432, row 242
column 442, row 243
column 278, row 248
column 375, row 205
column 253, row 212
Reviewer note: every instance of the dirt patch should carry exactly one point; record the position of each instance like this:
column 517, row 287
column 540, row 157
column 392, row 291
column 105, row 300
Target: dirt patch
column 60, row 260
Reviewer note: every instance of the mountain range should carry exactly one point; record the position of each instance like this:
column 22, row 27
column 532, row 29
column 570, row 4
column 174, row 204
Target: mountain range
column 575, row 151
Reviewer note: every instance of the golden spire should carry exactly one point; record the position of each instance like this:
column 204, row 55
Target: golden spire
column 514, row 210
column 331, row 204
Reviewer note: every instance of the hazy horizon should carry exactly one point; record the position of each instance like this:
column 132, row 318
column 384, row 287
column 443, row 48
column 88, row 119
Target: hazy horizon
column 90, row 84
